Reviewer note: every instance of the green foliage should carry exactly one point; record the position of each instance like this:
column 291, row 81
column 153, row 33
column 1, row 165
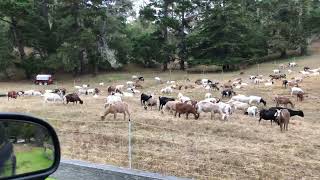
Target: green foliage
column 32, row 160
column 85, row 36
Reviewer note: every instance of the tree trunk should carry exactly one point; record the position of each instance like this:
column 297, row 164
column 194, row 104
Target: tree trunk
column 165, row 36
column 165, row 66
column 283, row 54
column 303, row 50
column 81, row 59
column 183, row 51
column 18, row 40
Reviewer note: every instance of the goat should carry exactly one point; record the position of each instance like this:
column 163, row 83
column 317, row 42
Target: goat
column 209, row 107
column 268, row 115
column 252, row 111
column 183, row 108
column 163, row 101
column 283, row 117
column 144, row 98
column 12, row 94
column 228, row 93
column 292, row 112
column 118, row 107
column 283, row 100
column 74, row 98
column 170, row 105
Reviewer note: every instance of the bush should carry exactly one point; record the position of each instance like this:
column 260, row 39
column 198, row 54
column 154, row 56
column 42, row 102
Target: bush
column 204, row 68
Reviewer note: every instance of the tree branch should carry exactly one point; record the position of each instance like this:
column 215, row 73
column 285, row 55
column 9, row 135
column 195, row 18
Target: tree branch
column 1, row 19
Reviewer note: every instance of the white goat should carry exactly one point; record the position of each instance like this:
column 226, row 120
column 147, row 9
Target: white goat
column 183, row 98
column 208, row 95
column 296, row 90
column 210, row 107
column 276, row 71
column 111, row 99
column 53, row 97
column 252, row 111
column 167, row 90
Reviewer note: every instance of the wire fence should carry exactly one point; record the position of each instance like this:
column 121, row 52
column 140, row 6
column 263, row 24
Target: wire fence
column 125, row 144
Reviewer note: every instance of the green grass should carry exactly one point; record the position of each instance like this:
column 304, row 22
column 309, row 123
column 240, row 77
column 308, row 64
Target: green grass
column 32, row 161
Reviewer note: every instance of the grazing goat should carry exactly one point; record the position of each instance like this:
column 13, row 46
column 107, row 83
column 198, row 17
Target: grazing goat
column 292, row 64
column 300, row 96
column 277, row 76
column 209, row 107
column 144, row 98
column 292, row 112
column 12, row 94
column 276, row 71
column 183, row 108
column 167, row 90
column 163, row 101
column 228, row 93
column 208, row 95
column 118, row 107
column 83, row 91
column 171, row 106
column 280, row 100
column 52, row 97
column 252, row 111
column 283, row 117
column 225, row 108
column 306, row 68
column 93, row 91
column 266, row 114
column 74, row 98
column 213, row 100
column 296, row 90
column 268, row 84
column 158, row 80
column 286, row 83
column 183, row 98
column 111, row 99
column 151, row 102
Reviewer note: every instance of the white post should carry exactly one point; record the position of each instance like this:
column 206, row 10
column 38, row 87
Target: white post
column 129, row 152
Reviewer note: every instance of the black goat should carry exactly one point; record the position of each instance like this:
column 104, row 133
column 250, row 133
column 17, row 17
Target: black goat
column 227, row 93
column 163, row 101
column 141, row 78
column 74, row 98
column 268, row 115
column 292, row 112
column 144, row 98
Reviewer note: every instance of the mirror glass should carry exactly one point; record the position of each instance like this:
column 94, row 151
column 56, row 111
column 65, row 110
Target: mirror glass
column 24, row 147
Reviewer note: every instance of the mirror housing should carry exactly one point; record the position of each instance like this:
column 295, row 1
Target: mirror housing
column 44, row 173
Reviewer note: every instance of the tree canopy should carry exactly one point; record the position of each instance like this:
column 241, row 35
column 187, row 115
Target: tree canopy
column 88, row 36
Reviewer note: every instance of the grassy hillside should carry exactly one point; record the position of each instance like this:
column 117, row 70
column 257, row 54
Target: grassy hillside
column 239, row 148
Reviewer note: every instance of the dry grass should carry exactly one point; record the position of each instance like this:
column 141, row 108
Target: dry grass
column 203, row 149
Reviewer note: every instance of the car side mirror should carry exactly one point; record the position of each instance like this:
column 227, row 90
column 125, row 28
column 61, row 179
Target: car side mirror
column 29, row 147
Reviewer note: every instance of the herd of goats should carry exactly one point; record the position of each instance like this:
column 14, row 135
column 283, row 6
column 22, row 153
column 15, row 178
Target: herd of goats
column 185, row 105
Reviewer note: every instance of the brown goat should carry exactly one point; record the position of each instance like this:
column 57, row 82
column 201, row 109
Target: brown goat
column 300, row 96
column 283, row 117
column 138, row 86
column 117, row 107
column 111, row 89
column 12, row 94
column 74, row 98
column 183, row 108
column 283, row 100
column 189, row 86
